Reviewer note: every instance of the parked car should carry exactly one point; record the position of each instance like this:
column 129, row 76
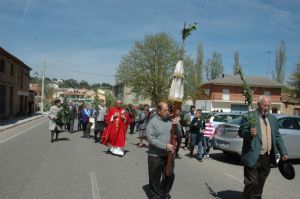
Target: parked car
column 227, row 139
column 226, row 136
column 221, row 118
column 206, row 114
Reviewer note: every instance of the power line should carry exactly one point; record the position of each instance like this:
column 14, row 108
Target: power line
column 87, row 73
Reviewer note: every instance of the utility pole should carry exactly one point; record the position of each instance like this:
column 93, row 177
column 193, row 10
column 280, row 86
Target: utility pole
column 43, row 88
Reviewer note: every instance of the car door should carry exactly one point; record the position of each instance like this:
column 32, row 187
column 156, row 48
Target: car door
column 290, row 132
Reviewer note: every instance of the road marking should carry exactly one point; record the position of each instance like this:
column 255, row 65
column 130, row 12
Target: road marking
column 11, row 137
column 94, row 184
column 233, row 177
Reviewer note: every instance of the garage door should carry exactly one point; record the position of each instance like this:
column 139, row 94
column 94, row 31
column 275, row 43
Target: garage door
column 239, row 108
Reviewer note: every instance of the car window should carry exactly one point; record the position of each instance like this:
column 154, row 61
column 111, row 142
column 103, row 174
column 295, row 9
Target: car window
column 285, row 123
column 297, row 120
column 220, row 118
column 236, row 120
column 224, row 118
column 206, row 115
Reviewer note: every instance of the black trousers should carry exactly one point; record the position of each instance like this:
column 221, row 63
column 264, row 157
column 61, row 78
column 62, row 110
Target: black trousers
column 132, row 125
column 99, row 127
column 52, row 134
column 160, row 184
column 178, row 143
column 254, row 178
column 187, row 140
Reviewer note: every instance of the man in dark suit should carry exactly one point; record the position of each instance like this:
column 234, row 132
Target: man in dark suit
column 262, row 141
column 73, row 115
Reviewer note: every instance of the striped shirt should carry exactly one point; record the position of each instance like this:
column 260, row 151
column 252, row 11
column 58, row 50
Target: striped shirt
column 209, row 130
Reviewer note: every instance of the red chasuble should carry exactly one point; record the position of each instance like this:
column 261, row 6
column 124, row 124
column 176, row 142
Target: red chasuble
column 115, row 131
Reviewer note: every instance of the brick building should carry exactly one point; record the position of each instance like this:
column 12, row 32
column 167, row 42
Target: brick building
column 14, row 86
column 226, row 93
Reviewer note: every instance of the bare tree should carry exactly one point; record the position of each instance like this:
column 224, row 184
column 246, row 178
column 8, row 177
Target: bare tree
column 278, row 75
column 236, row 64
column 214, row 66
column 193, row 73
column 294, row 82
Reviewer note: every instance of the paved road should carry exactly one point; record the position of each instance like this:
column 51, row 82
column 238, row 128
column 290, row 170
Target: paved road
column 77, row 168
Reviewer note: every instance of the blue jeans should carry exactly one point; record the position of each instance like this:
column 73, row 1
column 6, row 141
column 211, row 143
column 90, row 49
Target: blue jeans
column 197, row 139
column 206, row 145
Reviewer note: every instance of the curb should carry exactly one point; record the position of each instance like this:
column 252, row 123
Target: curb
column 8, row 126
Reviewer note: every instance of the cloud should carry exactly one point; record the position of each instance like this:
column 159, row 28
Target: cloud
column 94, row 34
column 25, row 11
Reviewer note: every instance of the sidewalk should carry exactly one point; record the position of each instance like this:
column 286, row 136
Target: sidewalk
column 6, row 124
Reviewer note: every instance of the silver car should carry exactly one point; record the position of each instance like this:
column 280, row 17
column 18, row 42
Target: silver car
column 223, row 117
column 226, row 136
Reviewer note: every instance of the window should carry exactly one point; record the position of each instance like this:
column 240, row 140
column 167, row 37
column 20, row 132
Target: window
column 21, row 78
column 267, row 93
column 297, row 120
column 285, row 123
column 12, row 70
column 2, row 98
column 2, row 65
column 207, row 91
column 226, row 94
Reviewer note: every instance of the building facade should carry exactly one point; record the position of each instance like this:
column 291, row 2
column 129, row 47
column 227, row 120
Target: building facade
column 226, row 94
column 14, row 86
column 125, row 93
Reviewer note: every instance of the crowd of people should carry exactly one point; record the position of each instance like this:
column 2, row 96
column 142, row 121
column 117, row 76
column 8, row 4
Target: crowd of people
column 111, row 124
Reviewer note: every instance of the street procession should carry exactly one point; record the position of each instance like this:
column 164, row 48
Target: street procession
column 149, row 100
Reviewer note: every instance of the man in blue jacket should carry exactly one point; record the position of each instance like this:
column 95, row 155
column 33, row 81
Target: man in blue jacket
column 262, row 141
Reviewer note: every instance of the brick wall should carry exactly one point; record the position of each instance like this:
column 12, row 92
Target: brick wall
column 216, row 93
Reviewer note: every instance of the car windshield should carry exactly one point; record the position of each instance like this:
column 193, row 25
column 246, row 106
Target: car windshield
column 236, row 120
column 224, row 118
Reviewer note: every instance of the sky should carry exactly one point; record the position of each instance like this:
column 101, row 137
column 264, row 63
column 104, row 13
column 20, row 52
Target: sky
column 85, row 40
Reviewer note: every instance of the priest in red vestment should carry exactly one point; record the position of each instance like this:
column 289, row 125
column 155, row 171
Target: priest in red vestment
column 114, row 136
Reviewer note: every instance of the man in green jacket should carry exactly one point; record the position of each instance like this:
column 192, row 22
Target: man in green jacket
column 262, row 141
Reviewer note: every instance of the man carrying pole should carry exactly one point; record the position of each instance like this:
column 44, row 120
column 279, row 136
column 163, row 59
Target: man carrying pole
column 158, row 134
column 161, row 134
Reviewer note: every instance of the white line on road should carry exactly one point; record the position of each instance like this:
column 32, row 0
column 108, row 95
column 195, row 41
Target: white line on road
column 94, row 184
column 11, row 137
column 233, row 177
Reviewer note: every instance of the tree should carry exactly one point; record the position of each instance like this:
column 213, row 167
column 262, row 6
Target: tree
column 96, row 100
column 96, row 86
column 236, row 64
column 193, row 73
column 214, row 66
column 84, row 84
column 69, row 83
column 294, row 82
column 149, row 65
column 109, row 99
column 278, row 75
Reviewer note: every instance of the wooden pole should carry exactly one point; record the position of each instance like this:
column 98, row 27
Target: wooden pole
column 177, row 106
